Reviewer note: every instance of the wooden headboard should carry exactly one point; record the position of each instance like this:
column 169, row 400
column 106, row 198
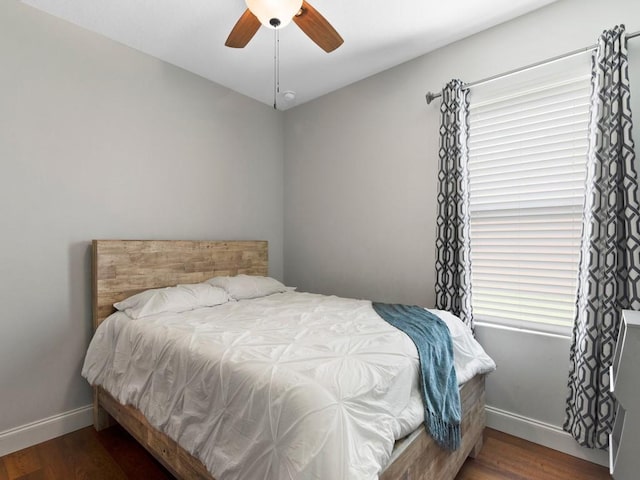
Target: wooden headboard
column 122, row 268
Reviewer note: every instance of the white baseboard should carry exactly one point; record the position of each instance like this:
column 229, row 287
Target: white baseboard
column 542, row 433
column 42, row 430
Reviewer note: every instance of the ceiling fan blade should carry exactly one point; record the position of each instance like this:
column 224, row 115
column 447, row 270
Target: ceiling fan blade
column 243, row 31
column 317, row 28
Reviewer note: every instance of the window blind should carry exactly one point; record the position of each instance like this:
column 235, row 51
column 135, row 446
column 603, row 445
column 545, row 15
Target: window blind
column 527, row 169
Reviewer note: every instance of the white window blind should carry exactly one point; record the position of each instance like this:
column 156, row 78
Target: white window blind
column 528, row 140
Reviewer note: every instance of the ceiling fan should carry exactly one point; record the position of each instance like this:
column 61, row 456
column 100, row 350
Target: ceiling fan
column 276, row 14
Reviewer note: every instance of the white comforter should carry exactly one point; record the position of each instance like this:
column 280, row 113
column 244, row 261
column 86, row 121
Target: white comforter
column 288, row 386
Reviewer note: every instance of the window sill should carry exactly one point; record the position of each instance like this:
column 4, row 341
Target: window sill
column 556, row 331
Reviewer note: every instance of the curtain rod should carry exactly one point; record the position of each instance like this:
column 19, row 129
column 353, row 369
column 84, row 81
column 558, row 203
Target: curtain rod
column 432, row 96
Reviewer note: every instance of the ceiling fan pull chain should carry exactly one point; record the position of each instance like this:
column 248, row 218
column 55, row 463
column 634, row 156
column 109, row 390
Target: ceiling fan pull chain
column 276, row 67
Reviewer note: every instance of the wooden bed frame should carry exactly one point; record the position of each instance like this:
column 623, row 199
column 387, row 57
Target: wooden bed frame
column 122, row 268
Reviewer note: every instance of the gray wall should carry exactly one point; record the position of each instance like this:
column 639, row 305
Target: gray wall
column 361, row 179
column 100, row 141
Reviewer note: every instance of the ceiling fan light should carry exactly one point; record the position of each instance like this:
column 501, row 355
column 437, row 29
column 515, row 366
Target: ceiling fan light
column 268, row 10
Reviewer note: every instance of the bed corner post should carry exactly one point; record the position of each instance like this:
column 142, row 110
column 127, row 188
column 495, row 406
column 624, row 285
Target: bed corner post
column 482, row 418
column 477, row 448
column 101, row 419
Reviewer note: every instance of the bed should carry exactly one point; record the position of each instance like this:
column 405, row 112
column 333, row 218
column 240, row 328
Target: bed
column 123, row 268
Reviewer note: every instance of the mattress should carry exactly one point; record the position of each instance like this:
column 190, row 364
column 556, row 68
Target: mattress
column 289, row 386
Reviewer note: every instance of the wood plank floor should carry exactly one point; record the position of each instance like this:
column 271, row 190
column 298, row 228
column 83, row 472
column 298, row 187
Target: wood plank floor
column 506, row 457
column 113, row 454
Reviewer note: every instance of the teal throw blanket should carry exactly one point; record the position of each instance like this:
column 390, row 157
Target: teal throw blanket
column 438, row 382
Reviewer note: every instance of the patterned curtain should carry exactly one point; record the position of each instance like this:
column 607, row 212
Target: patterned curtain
column 609, row 271
column 453, row 264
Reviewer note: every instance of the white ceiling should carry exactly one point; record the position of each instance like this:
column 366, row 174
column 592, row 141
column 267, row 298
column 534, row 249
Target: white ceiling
column 378, row 34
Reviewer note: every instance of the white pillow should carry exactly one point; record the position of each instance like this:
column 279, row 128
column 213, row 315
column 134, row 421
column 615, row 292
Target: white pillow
column 172, row 299
column 248, row 286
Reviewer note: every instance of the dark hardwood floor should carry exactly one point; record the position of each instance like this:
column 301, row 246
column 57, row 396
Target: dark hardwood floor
column 506, row 457
column 113, row 454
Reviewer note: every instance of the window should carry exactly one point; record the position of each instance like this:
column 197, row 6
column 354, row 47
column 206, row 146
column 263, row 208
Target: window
column 528, row 139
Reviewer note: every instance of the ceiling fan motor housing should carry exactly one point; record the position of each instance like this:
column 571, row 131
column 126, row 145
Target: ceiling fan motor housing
column 274, row 13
